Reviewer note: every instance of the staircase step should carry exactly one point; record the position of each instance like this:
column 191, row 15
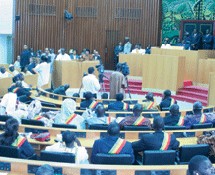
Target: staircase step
column 192, row 94
column 189, row 99
column 196, row 89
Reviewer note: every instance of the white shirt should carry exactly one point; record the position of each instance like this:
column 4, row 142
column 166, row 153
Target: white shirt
column 17, row 65
column 63, row 57
column 5, row 75
column 91, row 83
column 43, row 69
column 14, row 73
column 81, row 156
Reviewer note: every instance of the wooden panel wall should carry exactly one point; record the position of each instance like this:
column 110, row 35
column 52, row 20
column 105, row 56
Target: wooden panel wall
column 166, row 71
column 97, row 24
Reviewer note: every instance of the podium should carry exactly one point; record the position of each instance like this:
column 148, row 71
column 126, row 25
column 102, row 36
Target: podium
column 161, row 72
column 71, row 72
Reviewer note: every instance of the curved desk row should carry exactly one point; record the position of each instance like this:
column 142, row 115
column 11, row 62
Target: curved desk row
column 24, row 167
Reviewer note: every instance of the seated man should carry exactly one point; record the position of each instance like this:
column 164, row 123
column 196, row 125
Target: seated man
column 106, row 145
column 70, row 144
column 12, row 70
column 137, row 119
column 61, row 90
column 167, row 101
column 67, row 115
column 89, row 102
column 4, row 73
column 174, row 119
column 22, row 79
column 99, row 116
column 198, row 117
column 149, row 103
column 158, row 140
column 200, row 165
column 119, row 105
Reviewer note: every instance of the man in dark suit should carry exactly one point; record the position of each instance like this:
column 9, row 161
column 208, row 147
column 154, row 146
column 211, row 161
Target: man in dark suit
column 173, row 118
column 106, row 145
column 25, row 57
column 158, row 140
column 89, row 100
column 117, row 50
column 119, row 105
column 167, row 101
column 207, row 40
column 195, row 40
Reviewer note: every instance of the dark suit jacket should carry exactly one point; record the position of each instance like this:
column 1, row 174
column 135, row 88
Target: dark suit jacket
column 105, row 144
column 171, row 120
column 25, row 55
column 196, row 40
column 153, row 142
column 60, row 90
column 165, row 103
column 118, row 105
column 207, row 42
column 86, row 103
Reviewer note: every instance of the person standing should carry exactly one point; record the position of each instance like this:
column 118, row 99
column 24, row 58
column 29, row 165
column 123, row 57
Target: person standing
column 195, row 40
column 91, row 83
column 43, row 69
column 207, row 40
column 117, row 50
column 63, row 55
column 117, row 82
column 24, row 57
column 127, row 46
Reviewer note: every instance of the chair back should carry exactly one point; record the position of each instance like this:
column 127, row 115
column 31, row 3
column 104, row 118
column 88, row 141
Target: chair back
column 136, row 128
column 157, row 157
column 4, row 118
column 200, row 126
column 186, row 152
column 57, row 157
column 32, row 122
column 174, row 127
column 98, row 127
column 9, row 151
column 64, row 126
column 113, row 159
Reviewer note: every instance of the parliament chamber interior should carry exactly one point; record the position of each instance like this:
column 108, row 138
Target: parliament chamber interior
column 107, row 87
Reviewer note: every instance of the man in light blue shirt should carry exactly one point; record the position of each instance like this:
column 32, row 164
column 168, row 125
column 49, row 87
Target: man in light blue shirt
column 127, row 46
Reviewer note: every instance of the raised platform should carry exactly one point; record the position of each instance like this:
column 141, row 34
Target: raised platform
column 188, row 94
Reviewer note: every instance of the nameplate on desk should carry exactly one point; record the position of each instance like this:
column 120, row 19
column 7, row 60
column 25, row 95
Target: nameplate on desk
column 140, row 172
column 79, row 134
column 105, row 134
column 32, row 169
column 5, row 166
column 131, row 101
column 35, row 131
column 102, row 172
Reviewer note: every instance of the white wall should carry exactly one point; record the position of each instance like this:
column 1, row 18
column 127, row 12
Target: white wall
column 6, row 16
column 7, row 23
